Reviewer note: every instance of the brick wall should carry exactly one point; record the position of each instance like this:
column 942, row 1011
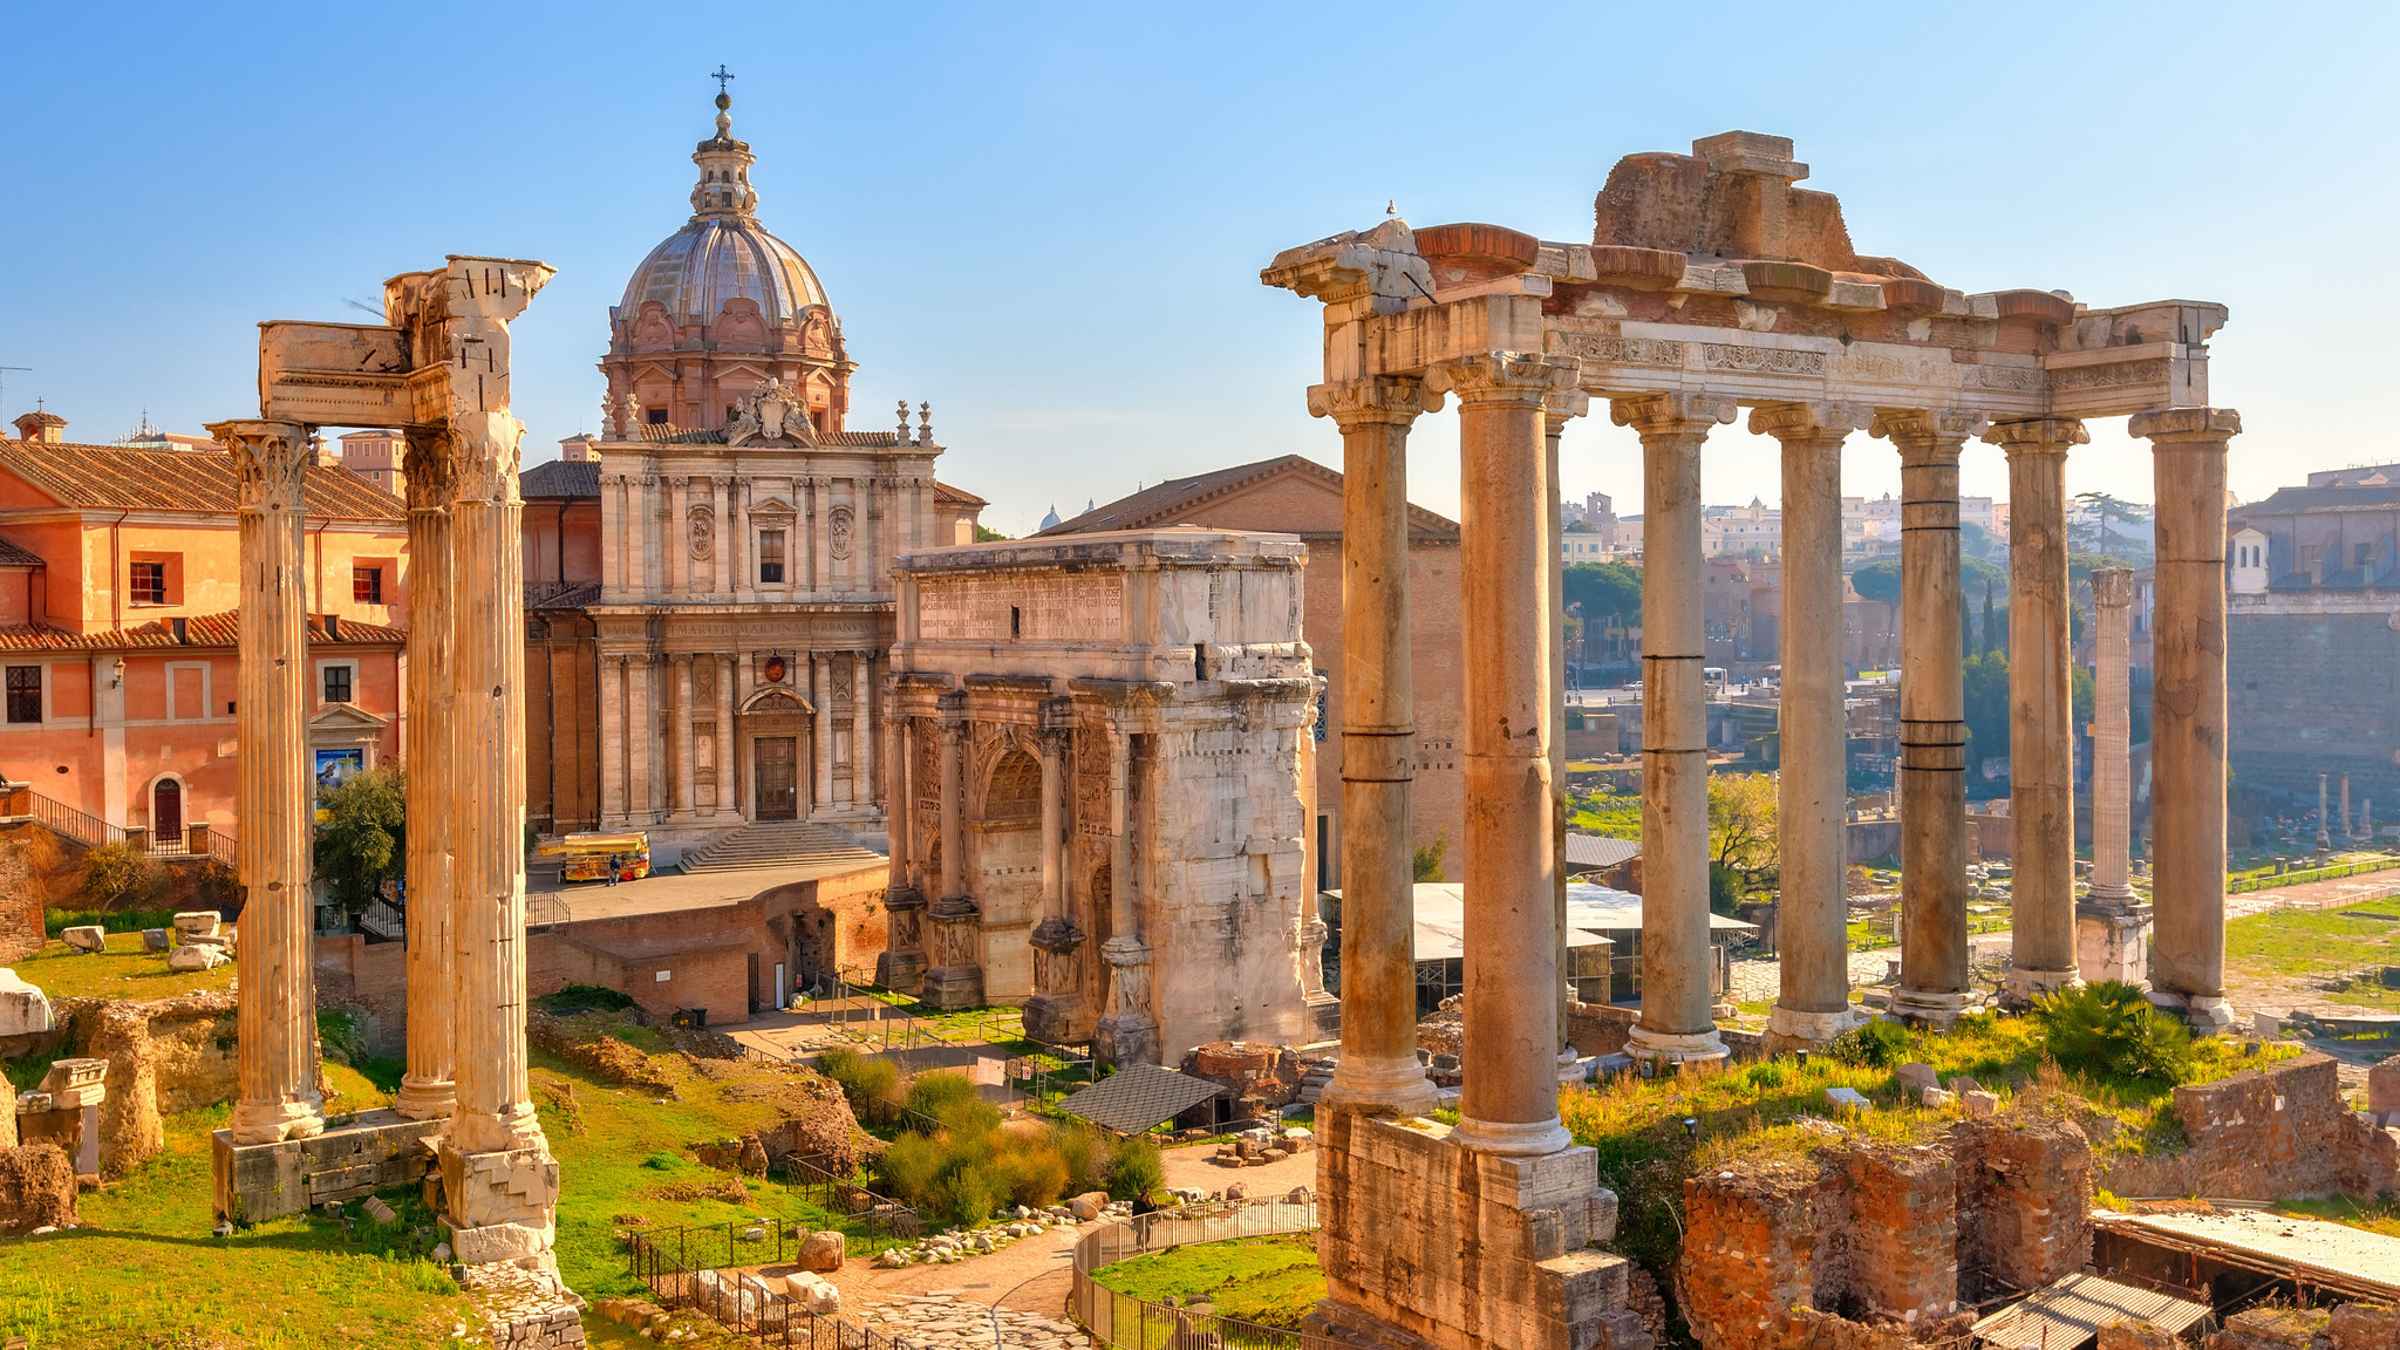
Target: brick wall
column 21, row 895
column 1900, row 1247
column 1750, row 1251
column 2272, row 1134
column 2024, row 1203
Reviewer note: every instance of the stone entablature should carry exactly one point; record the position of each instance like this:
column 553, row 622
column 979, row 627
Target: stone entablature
column 1097, row 756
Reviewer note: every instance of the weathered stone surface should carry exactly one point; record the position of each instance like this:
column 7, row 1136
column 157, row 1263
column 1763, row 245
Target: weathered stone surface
column 2130, row 1334
column 380, row 1149
column 197, row 956
column 2363, row 1326
column 37, row 1188
column 2024, row 1202
column 1259, row 1078
column 2274, row 1134
column 197, row 923
column 1915, row 1078
column 86, row 938
column 156, row 940
column 1088, row 1205
column 813, row 1292
column 821, row 1252
column 164, row 1056
column 24, row 1009
column 2383, row 1089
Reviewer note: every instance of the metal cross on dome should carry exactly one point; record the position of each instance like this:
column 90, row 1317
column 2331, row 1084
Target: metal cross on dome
column 720, row 75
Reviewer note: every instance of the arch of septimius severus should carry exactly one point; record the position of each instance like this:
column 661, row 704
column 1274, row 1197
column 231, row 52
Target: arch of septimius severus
column 1712, row 284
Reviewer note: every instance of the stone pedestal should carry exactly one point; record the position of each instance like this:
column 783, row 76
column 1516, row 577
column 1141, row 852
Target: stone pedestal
column 500, row 1204
column 375, row 1151
column 1059, row 1014
column 955, row 979
column 1128, row 1034
column 2112, row 943
column 901, row 965
column 1428, row 1243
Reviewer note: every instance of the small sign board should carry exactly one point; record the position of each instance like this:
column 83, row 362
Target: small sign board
column 333, row 374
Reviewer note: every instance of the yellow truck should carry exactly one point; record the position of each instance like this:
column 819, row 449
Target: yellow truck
column 584, row 857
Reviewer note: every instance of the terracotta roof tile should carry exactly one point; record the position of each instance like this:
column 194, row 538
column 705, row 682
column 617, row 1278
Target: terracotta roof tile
column 114, row 477
column 13, row 556
column 1166, row 503
column 561, row 480
column 200, row 630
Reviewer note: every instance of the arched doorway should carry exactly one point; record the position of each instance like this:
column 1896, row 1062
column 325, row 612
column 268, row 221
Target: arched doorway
column 775, row 739
column 166, row 810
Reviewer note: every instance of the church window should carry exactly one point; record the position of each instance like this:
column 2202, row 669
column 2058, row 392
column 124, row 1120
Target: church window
column 24, row 693
column 770, row 556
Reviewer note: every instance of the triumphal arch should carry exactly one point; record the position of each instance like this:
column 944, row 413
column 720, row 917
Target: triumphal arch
column 1712, row 283
column 438, row 369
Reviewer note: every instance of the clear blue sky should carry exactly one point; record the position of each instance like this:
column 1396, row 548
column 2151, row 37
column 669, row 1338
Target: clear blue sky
column 1048, row 220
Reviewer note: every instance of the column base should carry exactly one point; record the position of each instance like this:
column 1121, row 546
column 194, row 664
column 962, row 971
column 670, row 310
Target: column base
column 2112, row 943
column 501, row 1206
column 1798, row 1029
column 1666, row 1047
column 2206, row 1014
column 1931, row 1007
column 1511, row 1138
column 275, row 1122
column 952, row 987
column 1125, row 1038
column 2024, row 985
column 902, row 972
column 1058, row 1019
column 1379, row 1087
column 426, row 1098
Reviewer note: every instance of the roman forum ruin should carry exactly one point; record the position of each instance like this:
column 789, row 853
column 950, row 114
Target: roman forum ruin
column 1711, row 283
column 1098, row 754
column 439, row 368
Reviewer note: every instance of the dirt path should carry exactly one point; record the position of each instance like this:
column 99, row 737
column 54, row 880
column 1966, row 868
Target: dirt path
column 1033, row 1274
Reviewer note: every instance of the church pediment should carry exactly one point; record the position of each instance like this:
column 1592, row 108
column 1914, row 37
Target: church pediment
column 347, row 717
column 776, row 700
column 772, row 506
column 772, row 416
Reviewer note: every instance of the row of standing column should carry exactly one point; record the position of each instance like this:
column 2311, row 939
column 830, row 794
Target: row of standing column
column 647, row 545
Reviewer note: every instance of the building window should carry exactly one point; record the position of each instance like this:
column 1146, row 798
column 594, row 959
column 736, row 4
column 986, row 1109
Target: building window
column 24, row 693
column 149, row 583
column 366, row 585
column 657, row 417
column 770, row 556
column 337, row 684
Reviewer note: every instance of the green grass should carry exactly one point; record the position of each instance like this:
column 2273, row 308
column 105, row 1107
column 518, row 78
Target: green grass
column 1272, row 1281
column 2375, row 1216
column 1611, row 815
column 959, row 1026
column 2322, row 943
column 125, row 970
column 58, row 921
column 143, row 1270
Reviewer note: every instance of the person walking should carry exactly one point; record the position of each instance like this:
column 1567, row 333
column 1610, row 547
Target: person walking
column 614, row 864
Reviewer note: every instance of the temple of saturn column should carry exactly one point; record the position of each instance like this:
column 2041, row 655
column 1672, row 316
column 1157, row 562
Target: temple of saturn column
column 439, row 369
column 1711, row 284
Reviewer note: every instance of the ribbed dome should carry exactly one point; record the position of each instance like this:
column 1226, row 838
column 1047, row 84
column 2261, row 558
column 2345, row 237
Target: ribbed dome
column 719, row 258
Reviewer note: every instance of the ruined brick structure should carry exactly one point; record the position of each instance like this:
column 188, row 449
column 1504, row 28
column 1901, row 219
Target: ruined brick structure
column 1798, row 1255
column 2271, row 1134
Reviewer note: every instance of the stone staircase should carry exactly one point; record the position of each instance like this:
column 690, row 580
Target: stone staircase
column 777, row 843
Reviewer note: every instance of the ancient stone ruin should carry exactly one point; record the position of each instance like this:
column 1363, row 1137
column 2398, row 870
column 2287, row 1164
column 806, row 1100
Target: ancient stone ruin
column 439, row 369
column 1711, row 282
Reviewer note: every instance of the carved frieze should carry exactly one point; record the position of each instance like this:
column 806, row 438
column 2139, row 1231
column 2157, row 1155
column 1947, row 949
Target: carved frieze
column 1092, row 741
column 2075, row 379
column 837, row 530
column 1609, row 349
column 1760, row 360
column 703, row 532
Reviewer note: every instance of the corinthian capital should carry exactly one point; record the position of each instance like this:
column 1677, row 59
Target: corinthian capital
column 2038, row 435
column 1503, row 377
column 430, row 471
column 1672, row 412
column 1393, row 400
column 269, row 458
column 1809, row 421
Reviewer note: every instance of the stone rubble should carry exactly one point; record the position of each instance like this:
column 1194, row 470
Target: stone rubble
column 947, row 1322
column 954, row 1245
column 524, row 1309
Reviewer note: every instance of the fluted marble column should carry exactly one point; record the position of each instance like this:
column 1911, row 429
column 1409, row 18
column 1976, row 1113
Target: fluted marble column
column 1812, row 1004
column 278, row 1096
column 902, row 964
column 1127, row 1034
column 1677, row 1021
column 1055, row 1012
column 1509, row 1101
column 428, row 1090
column 2187, row 728
column 1933, row 728
column 955, row 976
column 1378, row 1070
column 2041, row 734
column 2112, row 737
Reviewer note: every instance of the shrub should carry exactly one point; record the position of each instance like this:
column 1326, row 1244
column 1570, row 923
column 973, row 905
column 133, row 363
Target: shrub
column 2109, row 1030
column 57, row 921
column 121, row 876
column 910, row 1167
column 872, row 1085
column 1877, row 1045
column 577, row 998
column 1135, row 1171
column 362, row 843
column 1085, row 1155
column 940, row 1096
column 1032, row 1174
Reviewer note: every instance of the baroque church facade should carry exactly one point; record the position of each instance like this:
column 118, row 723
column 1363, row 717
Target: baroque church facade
column 710, row 607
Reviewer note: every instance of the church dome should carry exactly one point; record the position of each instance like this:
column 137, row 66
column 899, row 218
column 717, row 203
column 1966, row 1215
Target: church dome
column 716, row 258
